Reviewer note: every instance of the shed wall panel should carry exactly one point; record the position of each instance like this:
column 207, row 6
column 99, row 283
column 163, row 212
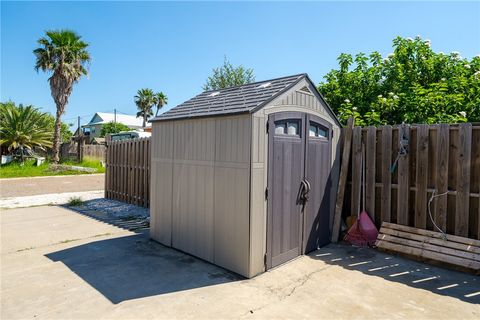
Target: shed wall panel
column 232, row 218
column 207, row 165
column 258, row 206
column 193, row 192
column 161, row 183
column 192, row 223
column 232, row 192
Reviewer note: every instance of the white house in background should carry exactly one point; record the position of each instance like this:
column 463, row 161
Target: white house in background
column 94, row 127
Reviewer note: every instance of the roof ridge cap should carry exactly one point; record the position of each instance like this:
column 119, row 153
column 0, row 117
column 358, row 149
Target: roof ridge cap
column 257, row 82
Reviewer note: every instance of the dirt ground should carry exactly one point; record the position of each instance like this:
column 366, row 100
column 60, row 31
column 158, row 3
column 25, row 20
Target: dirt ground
column 61, row 264
column 19, row 187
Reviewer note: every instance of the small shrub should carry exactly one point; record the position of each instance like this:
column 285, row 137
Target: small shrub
column 75, row 201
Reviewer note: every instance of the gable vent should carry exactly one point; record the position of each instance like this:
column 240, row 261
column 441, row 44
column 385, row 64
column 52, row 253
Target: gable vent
column 305, row 89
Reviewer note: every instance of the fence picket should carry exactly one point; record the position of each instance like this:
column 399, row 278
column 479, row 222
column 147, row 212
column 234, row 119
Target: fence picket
column 441, row 181
column 386, row 199
column 421, row 177
column 463, row 180
column 370, row 164
column 356, row 169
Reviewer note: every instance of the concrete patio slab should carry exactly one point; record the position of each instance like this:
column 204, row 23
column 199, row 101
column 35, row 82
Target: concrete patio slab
column 59, row 264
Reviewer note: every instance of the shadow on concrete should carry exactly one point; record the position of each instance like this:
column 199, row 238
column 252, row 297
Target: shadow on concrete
column 134, row 266
column 116, row 213
column 463, row 286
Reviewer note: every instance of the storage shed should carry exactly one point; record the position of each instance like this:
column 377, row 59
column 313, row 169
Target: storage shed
column 246, row 177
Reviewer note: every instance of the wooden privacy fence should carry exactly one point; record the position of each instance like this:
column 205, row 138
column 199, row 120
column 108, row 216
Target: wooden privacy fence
column 70, row 150
column 444, row 159
column 96, row 151
column 127, row 176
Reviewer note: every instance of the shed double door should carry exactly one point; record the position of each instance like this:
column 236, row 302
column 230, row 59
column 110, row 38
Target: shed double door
column 299, row 161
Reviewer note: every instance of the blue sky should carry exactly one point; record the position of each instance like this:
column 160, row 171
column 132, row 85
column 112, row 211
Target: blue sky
column 172, row 46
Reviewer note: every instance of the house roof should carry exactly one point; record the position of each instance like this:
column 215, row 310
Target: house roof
column 239, row 99
column 126, row 119
column 98, row 140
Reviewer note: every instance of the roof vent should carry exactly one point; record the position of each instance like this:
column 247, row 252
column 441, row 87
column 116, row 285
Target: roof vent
column 305, row 89
column 264, row 85
column 213, row 94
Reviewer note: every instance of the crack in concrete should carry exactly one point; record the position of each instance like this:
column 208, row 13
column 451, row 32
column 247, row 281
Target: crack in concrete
column 303, row 280
column 63, row 242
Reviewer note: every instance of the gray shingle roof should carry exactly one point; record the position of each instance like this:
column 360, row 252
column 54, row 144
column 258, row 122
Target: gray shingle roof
column 240, row 99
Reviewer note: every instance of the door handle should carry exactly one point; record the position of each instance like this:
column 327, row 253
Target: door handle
column 309, row 187
column 305, row 188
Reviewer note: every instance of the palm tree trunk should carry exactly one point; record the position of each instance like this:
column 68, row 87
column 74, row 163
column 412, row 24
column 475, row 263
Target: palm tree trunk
column 57, row 136
column 144, row 120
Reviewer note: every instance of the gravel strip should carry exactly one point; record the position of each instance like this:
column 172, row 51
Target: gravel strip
column 48, row 199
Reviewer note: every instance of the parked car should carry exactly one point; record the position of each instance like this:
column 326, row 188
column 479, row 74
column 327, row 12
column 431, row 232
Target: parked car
column 128, row 135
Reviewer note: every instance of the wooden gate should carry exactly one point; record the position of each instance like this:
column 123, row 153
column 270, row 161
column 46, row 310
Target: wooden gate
column 441, row 158
column 127, row 175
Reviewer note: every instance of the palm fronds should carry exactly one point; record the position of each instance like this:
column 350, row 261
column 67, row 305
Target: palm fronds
column 24, row 126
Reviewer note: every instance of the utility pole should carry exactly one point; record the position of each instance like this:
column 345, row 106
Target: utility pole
column 115, row 116
column 79, row 142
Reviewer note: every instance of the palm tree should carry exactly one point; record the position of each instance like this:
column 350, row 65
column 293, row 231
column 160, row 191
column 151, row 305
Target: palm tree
column 24, row 127
column 145, row 100
column 161, row 99
column 63, row 54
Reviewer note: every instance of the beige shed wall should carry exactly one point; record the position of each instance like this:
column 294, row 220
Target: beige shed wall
column 293, row 100
column 201, row 188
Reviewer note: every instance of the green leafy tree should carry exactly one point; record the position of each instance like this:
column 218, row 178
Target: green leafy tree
column 63, row 54
column 113, row 127
column 228, row 76
column 413, row 84
column 24, row 127
column 145, row 100
column 161, row 99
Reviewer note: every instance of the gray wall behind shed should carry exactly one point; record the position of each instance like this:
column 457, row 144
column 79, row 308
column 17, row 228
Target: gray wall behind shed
column 201, row 188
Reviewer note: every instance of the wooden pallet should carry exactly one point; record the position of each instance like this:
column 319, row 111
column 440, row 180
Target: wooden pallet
column 458, row 252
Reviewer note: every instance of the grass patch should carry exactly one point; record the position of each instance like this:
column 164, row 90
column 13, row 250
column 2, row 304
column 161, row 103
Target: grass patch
column 75, row 202
column 87, row 163
column 29, row 169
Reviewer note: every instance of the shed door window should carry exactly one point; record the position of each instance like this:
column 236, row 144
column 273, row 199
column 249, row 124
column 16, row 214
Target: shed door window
column 287, row 127
column 317, row 130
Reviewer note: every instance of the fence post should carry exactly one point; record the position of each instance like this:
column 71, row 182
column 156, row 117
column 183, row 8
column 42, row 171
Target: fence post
column 403, row 178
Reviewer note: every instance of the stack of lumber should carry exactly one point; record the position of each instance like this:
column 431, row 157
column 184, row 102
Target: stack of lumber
column 434, row 247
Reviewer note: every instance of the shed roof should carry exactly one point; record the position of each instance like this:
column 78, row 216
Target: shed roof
column 239, row 99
